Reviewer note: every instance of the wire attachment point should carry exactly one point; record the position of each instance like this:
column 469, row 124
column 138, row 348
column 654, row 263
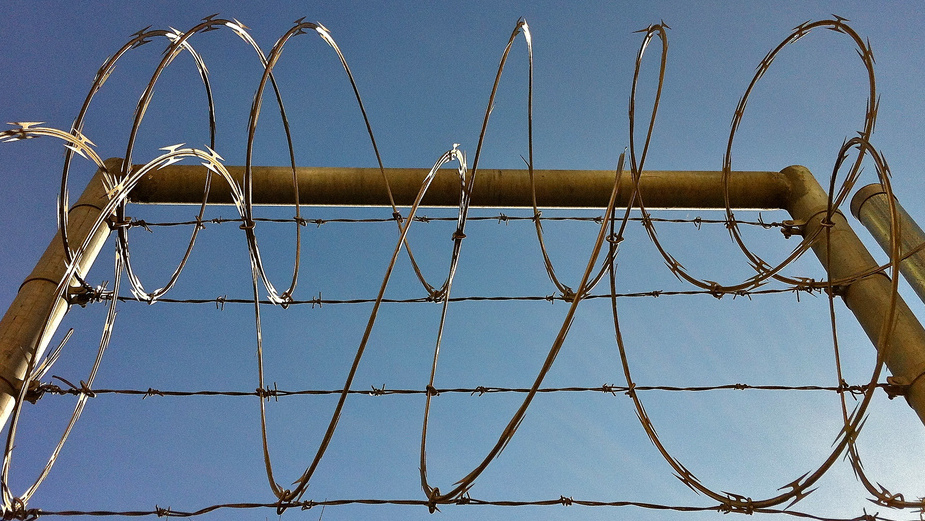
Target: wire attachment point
column 793, row 227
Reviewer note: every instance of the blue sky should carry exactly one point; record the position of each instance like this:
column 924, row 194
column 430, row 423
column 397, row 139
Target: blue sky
column 425, row 73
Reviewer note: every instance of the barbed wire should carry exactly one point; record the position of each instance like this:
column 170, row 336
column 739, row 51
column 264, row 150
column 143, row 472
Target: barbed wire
column 121, row 177
column 500, row 218
column 811, row 288
column 562, row 500
column 36, row 392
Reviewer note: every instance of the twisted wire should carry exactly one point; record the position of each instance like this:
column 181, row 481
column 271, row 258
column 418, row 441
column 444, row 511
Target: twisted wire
column 811, row 288
column 36, row 392
column 501, row 218
column 562, row 500
column 120, row 180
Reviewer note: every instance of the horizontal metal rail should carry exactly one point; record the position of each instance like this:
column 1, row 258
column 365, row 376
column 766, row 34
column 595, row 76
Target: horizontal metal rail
column 182, row 184
column 793, row 189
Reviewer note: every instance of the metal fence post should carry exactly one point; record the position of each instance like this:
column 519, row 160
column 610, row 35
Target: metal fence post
column 36, row 303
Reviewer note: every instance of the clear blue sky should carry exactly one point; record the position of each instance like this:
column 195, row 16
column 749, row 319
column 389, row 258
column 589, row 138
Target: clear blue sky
column 425, row 72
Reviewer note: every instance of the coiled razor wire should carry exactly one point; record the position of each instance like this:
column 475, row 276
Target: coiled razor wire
column 120, row 177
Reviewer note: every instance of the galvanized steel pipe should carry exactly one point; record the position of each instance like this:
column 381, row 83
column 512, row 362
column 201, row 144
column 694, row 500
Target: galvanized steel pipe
column 494, row 188
column 870, row 206
column 867, row 298
column 36, row 303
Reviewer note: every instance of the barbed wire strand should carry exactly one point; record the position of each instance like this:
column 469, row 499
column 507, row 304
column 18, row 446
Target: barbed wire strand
column 501, row 218
column 567, row 501
column 37, row 391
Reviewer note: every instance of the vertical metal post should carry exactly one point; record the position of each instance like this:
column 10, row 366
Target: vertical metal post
column 36, row 303
column 871, row 207
column 867, row 298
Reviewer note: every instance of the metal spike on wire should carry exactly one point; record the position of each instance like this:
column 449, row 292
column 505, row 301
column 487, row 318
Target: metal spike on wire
column 120, row 183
